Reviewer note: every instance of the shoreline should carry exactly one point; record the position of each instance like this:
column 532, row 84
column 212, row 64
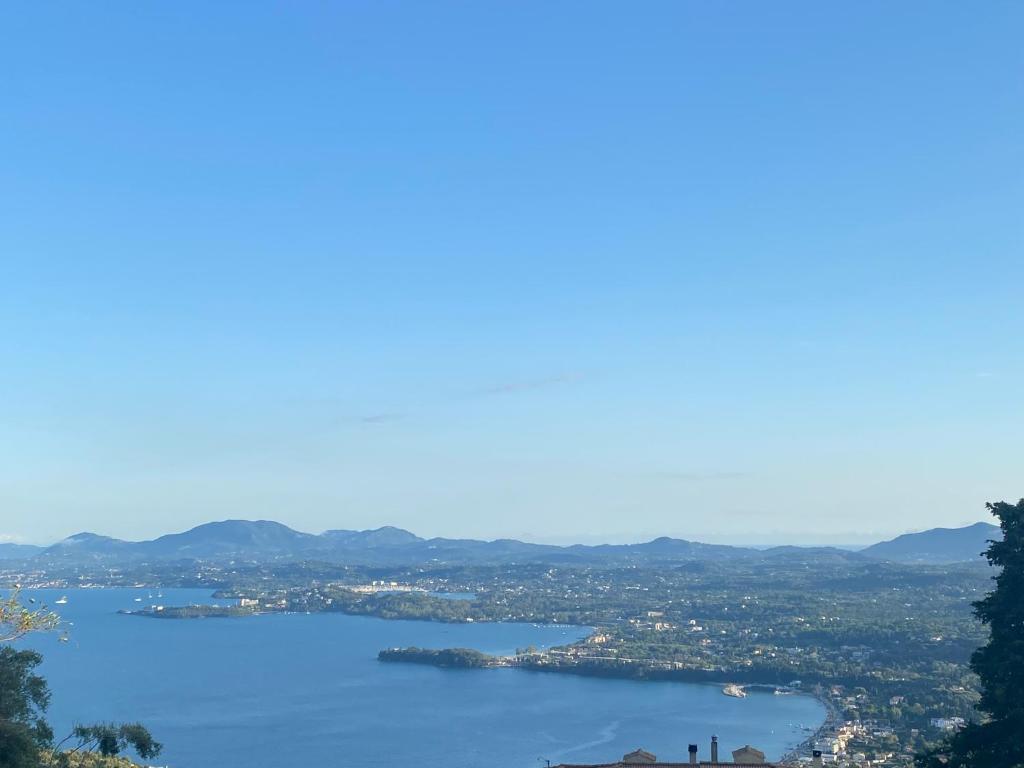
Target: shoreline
column 833, row 718
column 442, row 659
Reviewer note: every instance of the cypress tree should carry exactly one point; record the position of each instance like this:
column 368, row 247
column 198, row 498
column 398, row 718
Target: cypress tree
column 996, row 741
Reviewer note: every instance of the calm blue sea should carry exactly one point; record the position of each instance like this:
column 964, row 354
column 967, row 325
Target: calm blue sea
column 307, row 690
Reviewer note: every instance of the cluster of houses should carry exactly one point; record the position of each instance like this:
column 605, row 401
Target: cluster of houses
column 745, row 755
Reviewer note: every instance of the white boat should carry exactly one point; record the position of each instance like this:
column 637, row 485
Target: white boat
column 62, row 601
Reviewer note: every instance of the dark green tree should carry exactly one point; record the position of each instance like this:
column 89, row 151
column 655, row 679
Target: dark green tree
column 998, row 740
column 24, row 697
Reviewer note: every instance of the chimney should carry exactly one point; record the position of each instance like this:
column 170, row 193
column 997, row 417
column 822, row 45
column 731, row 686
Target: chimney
column 714, row 749
column 816, row 757
column 693, row 754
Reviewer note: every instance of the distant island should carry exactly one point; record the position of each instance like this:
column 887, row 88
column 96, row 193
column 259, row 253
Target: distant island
column 459, row 658
column 192, row 611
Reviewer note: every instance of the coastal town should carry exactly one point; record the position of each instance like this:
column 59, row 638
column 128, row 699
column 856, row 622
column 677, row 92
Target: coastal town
column 883, row 647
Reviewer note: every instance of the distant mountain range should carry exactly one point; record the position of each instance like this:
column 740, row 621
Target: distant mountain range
column 265, row 540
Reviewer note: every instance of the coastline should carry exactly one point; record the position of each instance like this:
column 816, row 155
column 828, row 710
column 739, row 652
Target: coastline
column 833, row 719
column 453, row 658
column 698, row 676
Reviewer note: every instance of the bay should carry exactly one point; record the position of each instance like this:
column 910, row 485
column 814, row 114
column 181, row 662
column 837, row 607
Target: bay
column 302, row 690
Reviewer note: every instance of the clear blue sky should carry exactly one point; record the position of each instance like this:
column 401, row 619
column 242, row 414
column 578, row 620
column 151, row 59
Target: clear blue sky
column 739, row 272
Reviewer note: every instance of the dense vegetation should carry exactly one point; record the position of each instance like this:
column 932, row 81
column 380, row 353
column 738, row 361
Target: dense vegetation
column 465, row 658
column 194, row 612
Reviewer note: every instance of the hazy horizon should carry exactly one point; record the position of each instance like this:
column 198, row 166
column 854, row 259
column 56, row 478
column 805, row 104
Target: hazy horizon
column 554, row 272
column 851, row 540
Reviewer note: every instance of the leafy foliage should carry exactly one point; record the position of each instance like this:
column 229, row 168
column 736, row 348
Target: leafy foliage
column 997, row 742
column 24, row 697
column 110, row 739
column 466, row 658
column 17, row 620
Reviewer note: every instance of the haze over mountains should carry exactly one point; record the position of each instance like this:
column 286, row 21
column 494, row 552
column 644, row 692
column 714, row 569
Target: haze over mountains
column 263, row 540
column 11, row 551
column 938, row 545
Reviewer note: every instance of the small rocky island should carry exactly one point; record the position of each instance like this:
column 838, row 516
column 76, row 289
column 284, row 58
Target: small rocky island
column 459, row 658
column 193, row 611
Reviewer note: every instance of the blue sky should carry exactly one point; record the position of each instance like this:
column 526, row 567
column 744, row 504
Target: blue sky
column 739, row 272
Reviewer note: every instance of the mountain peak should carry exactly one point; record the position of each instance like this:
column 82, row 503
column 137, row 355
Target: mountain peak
column 246, row 538
column 937, row 545
column 387, row 535
column 85, row 537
